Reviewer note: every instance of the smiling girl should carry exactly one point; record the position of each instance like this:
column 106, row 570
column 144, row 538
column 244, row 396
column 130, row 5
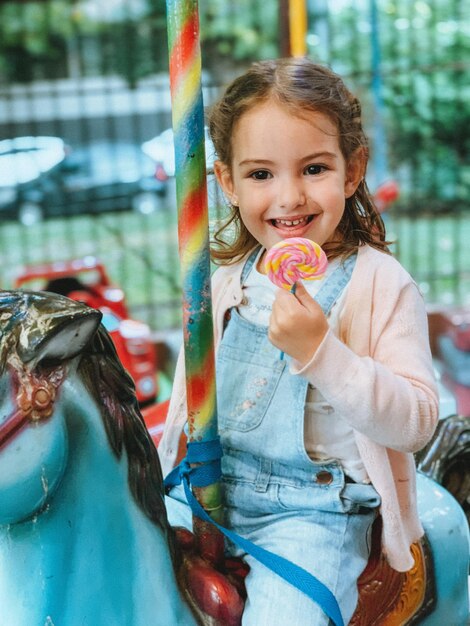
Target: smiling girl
column 316, row 445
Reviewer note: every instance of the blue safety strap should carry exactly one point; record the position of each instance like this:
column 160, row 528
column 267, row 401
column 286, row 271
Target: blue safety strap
column 209, row 453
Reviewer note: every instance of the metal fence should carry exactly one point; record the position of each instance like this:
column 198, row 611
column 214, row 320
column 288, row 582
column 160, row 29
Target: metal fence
column 408, row 61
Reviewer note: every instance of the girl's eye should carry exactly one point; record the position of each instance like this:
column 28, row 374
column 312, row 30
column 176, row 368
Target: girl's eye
column 314, row 169
column 260, row 175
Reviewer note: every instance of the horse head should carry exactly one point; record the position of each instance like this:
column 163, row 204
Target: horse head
column 39, row 335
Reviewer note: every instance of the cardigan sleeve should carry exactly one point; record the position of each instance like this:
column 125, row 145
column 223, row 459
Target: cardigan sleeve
column 176, row 419
column 390, row 394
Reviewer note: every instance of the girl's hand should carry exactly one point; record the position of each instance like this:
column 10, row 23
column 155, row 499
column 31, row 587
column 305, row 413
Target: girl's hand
column 297, row 325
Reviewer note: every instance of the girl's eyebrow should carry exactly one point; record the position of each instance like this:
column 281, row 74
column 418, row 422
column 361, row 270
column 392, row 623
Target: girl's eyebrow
column 308, row 157
column 255, row 162
column 320, row 155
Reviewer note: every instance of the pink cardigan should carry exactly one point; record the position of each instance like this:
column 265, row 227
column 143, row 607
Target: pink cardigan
column 377, row 375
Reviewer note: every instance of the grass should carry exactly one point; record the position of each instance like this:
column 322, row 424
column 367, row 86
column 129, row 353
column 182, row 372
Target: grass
column 141, row 255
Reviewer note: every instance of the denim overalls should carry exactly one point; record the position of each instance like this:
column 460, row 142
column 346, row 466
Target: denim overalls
column 275, row 495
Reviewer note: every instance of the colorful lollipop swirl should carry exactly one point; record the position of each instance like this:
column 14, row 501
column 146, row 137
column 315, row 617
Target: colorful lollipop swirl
column 293, row 259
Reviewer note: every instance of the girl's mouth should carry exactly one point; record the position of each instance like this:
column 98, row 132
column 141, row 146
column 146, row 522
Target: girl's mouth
column 296, row 222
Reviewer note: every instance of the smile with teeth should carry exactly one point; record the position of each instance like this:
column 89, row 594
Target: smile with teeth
column 298, row 221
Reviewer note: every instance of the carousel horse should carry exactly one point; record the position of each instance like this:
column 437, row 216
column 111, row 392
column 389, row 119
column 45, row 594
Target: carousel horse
column 84, row 536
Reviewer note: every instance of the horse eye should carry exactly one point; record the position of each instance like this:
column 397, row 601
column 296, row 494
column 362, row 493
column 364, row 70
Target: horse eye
column 48, row 363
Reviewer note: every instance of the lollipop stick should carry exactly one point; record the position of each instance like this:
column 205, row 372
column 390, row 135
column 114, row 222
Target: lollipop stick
column 292, row 290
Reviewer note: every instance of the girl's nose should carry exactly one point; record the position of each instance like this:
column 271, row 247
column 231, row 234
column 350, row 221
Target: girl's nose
column 291, row 194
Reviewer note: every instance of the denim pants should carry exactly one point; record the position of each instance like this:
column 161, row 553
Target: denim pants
column 275, row 495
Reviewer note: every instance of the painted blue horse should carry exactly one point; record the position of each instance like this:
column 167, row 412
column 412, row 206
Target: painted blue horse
column 84, row 537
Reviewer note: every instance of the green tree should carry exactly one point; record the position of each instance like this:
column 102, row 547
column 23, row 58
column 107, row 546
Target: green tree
column 32, row 40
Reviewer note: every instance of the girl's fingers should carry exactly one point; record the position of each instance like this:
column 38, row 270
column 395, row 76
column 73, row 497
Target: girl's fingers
column 305, row 298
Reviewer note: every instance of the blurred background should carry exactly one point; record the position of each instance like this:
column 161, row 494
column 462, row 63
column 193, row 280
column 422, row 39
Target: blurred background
column 86, row 150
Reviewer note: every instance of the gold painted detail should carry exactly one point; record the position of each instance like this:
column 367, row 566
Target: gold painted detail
column 412, row 593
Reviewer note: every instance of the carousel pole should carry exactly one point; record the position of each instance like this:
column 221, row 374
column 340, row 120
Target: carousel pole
column 298, row 27
column 193, row 237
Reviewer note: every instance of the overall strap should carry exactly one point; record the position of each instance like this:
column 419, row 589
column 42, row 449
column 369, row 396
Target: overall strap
column 249, row 264
column 334, row 285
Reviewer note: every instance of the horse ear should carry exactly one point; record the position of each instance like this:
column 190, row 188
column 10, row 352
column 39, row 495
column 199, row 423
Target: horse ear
column 69, row 337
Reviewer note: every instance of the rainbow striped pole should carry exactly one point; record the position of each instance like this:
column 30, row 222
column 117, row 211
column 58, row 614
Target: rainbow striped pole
column 193, row 235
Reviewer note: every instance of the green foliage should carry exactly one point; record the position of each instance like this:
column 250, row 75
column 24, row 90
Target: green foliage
column 426, row 76
column 425, row 81
column 234, row 33
column 32, row 34
column 39, row 39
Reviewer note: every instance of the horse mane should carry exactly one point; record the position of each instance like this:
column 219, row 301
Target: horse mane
column 114, row 392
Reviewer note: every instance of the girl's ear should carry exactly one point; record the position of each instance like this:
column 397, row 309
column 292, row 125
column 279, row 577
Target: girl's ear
column 224, row 178
column 355, row 171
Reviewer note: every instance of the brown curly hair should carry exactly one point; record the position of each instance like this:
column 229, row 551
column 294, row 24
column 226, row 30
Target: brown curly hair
column 300, row 85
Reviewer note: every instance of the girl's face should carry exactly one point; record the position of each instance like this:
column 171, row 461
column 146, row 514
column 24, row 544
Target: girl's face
column 288, row 175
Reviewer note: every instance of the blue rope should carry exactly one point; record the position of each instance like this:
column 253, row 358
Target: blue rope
column 209, row 455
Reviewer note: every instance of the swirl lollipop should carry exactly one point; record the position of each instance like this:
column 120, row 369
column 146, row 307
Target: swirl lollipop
column 293, row 259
